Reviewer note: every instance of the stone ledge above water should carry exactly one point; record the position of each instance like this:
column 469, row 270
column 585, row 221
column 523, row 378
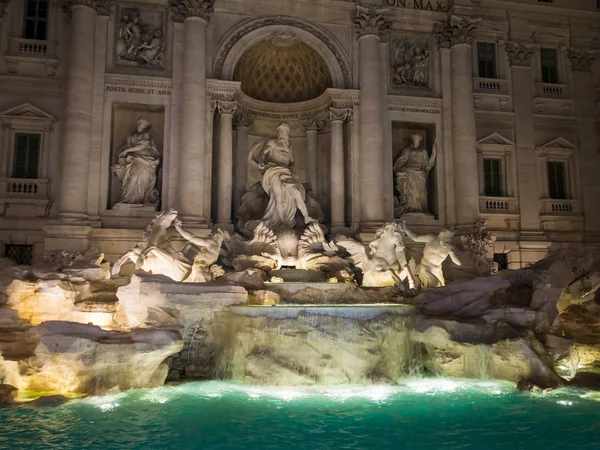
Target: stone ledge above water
column 357, row 312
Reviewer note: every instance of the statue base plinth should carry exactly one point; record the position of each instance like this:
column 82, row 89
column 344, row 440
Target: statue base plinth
column 133, row 206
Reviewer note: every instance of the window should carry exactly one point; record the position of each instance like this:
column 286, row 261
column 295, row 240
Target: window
column 492, row 177
column 26, row 155
column 549, row 59
column 556, row 180
column 486, row 59
column 19, row 253
column 502, row 260
column 36, row 19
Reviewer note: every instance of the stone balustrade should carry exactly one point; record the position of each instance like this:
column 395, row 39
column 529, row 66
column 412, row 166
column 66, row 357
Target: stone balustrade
column 558, row 207
column 490, row 86
column 31, row 47
column 497, row 205
column 551, row 90
column 24, row 188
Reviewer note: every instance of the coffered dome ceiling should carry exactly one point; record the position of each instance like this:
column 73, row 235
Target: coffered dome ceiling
column 282, row 69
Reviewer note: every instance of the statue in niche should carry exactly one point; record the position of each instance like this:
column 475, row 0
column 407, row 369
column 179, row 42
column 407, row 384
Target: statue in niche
column 411, row 169
column 279, row 188
column 429, row 273
column 136, row 167
column 410, row 64
column 139, row 44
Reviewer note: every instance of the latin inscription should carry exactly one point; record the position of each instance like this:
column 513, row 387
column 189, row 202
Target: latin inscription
column 425, row 5
column 138, row 90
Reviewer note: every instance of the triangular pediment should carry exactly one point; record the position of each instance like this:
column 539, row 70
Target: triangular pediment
column 559, row 142
column 495, row 139
column 27, row 110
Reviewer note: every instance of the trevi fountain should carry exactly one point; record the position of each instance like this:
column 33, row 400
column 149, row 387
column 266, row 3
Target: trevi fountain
column 283, row 311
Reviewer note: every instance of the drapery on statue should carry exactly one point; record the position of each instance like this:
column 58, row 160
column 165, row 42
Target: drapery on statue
column 412, row 168
column 437, row 248
column 136, row 167
column 274, row 159
column 385, row 262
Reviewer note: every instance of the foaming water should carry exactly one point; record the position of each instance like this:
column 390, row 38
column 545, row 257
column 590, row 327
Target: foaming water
column 417, row 414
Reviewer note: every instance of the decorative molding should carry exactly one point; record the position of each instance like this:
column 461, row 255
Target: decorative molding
column 222, row 90
column 399, row 103
column 212, row 106
column 102, row 7
column 495, row 139
column 226, row 107
column 337, row 114
column 558, row 143
column 182, row 9
column 518, row 54
column 537, row 20
column 371, row 21
column 344, row 98
column 456, row 30
column 581, row 59
column 255, row 24
column 137, row 85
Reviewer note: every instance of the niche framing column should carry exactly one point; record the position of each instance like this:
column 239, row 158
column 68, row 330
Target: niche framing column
column 312, row 128
column 370, row 24
column 240, row 169
column 225, row 169
column 457, row 35
column 337, row 199
column 192, row 154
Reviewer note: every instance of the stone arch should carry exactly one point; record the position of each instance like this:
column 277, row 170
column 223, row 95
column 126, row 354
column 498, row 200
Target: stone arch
column 235, row 43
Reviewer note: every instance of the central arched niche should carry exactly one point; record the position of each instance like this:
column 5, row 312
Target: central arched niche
column 282, row 69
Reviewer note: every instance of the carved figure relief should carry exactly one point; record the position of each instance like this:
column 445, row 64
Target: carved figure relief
column 136, row 167
column 140, row 40
column 410, row 62
column 412, row 169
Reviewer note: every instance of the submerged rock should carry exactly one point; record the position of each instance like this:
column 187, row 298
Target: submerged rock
column 8, row 394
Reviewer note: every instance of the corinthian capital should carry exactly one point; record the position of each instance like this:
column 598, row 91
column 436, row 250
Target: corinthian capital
column 518, row 54
column 314, row 123
column 457, row 30
column 226, row 107
column 102, row 7
column 581, row 59
column 337, row 114
column 371, row 21
column 182, row 9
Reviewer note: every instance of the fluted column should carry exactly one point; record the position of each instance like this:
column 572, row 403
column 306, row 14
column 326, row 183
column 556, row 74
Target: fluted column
column 457, row 34
column 192, row 155
column 225, row 168
column 312, row 128
column 370, row 24
column 336, row 167
column 240, row 169
column 76, row 149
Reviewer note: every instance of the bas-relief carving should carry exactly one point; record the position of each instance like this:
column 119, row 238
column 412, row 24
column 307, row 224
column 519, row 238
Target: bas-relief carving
column 136, row 168
column 518, row 54
column 410, row 62
column 140, row 39
column 581, row 59
column 412, row 168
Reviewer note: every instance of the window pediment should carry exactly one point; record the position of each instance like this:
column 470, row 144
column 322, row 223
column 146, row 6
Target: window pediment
column 27, row 115
column 494, row 143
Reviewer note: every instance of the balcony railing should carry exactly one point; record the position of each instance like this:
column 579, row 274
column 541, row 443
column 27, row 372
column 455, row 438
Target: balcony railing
column 490, row 86
column 551, row 90
column 557, row 207
column 24, row 188
column 32, row 48
column 497, row 205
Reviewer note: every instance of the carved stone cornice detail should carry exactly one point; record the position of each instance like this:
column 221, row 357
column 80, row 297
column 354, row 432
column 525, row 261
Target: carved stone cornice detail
column 518, row 54
column 225, row 107
column 457, row 30
column 313, row 124
column 102, row 7
column 182, row 9
column 3, row 7
column 338, row 114
column 368, row 21
column 581, row 59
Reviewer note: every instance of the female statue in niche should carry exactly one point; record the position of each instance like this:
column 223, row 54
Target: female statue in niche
column 273, row 157
column 412, row 168
column 136, row 167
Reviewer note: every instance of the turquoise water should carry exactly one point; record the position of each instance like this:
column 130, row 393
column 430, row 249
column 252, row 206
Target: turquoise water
column 422, row 414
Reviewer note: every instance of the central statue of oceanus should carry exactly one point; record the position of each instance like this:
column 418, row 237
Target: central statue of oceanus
column 280, row 195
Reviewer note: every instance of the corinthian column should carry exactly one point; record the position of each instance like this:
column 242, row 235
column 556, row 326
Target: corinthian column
column 76, row 150
column 312, row 128
column 457, row 34
column 370, row 24
column 337, row 116
column 225, row 174
column 240, row 170
column 195, row 15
